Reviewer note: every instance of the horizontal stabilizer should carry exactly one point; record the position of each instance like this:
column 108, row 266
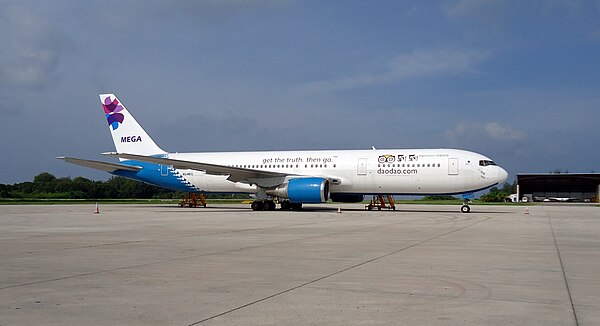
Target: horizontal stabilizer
column 98, row 165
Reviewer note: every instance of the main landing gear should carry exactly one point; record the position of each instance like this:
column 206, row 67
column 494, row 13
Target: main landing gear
column 269, row 205
column 263, row 205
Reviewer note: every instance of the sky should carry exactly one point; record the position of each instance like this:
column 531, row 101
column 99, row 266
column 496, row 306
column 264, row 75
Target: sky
column 517, row 81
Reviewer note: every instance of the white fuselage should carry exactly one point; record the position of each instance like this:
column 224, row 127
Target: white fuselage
column 385, row 171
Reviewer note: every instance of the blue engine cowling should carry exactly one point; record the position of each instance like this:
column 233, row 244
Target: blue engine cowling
column 308, row 190
column 346, row 198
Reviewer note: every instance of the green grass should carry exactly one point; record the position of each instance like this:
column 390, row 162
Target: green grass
column 52, row 201
column 38, row 201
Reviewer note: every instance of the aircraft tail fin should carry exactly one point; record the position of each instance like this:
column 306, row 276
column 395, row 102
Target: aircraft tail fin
column 128, row 135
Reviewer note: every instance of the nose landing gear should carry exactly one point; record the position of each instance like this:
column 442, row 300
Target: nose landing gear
column 465, row 208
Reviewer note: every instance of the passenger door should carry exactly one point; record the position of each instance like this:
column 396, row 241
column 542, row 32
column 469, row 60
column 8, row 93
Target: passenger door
column 361, row 167
column 453, row 166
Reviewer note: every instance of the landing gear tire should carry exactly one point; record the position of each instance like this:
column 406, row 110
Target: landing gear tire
column 269, row 205
column 465, row 209
column 286, row 204
column 257, row 205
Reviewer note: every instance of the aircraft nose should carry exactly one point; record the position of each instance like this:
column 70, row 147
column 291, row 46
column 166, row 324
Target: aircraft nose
column 502, row 175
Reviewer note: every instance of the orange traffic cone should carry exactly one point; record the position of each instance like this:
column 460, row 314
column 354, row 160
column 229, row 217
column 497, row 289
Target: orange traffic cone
column 526, row 210
column 339, row 208
column 97, row 209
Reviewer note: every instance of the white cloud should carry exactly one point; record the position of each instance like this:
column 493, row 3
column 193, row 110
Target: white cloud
column 419, row 63
column 497, row 131
column 488, row 130
column 467, row 7
column 502, row 11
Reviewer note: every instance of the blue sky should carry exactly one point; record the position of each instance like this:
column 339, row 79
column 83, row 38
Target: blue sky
column 518, row 81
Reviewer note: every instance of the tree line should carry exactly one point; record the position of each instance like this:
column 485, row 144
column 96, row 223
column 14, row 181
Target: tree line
column 47, row 186
column 500, row 194
column 494, row 195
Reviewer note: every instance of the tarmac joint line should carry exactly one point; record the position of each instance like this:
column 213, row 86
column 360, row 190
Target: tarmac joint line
column 336, row 273
column 562, row 267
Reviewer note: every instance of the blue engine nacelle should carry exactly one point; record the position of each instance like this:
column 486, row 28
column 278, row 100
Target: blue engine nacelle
column 347, row 198
column 308, row 190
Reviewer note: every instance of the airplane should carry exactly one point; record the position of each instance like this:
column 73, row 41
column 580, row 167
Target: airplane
column 295, row 177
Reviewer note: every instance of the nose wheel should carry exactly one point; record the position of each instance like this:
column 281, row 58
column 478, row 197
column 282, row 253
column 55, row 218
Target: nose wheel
column 465, row 208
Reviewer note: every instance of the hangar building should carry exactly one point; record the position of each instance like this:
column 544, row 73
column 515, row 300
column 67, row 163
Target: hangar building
column 572, row 187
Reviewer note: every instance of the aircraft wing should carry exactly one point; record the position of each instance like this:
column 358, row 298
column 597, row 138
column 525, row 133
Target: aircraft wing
column 261, row 178
column 98, row 165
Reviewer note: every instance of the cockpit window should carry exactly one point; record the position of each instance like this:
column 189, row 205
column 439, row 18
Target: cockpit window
column 486, row 163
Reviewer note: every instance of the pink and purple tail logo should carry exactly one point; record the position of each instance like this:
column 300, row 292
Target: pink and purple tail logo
column 112, row 109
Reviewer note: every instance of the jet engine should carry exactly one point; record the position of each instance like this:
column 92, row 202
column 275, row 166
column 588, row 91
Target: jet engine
column 303, row 190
